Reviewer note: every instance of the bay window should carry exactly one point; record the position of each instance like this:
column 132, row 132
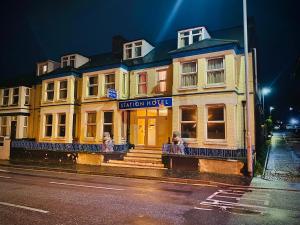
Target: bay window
column 215, row 122
column 188, row 74
column 48, row 125
column 188, row 122
column 50, row 91
column 142, row 83
column 215, row 71
column 91, row 124
column 93, row 85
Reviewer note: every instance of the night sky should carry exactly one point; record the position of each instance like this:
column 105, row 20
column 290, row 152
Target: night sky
column 33, row 31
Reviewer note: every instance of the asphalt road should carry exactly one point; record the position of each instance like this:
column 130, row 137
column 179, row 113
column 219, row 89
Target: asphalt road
column 44, row 197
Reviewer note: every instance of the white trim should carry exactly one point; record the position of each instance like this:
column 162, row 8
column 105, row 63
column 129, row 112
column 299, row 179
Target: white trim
column 209, row 140
column 206, row 72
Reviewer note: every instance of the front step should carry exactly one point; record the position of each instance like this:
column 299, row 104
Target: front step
column 148, row 151
column 132, row 166
column 120, row 162
column 141, row 159
column 144, row 155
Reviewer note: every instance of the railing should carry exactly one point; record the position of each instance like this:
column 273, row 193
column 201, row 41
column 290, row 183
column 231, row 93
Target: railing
column 65, row 147
column 207, row 152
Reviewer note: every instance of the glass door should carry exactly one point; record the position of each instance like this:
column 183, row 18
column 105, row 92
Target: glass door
column 151, row 131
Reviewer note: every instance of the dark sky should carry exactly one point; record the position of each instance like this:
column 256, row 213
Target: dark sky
column 36, row 30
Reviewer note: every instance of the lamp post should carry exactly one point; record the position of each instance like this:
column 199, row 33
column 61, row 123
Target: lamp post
column 271, row 108
column 248, row 127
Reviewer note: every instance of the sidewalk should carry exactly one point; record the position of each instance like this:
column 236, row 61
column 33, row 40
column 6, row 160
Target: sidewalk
column 283, row 166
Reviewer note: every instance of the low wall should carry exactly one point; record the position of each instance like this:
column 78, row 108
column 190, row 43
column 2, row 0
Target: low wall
column 89, row 159
column 233, row 167
column 5, row 149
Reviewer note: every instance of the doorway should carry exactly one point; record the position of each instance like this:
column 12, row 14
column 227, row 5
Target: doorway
column 146, row 127
column 13, row 130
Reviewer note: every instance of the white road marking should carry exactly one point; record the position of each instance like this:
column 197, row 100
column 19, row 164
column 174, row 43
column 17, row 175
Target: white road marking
column 23, row 207
column 87, row 186
column 5, row 177
column 201, row 208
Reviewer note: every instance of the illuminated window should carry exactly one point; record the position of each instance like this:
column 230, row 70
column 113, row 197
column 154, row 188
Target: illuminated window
column 162, row 81
column 15, row 100
column 25, row 127
column 48, row 125
column 215, row 122
column 27, row 96
column 63, row 89
column 91, row 124
column 188, row 74
column 61, row 125
column 5, row 97
column 189, row 122
column 93, row 86
column 50, row 91
column 3, row 131
column 215, row 71
column 109, row 82
column 142, row 83
column 108, row 122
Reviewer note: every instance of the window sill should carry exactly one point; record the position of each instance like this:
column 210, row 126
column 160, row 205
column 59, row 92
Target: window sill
column 216, row 142
column 190, row 140
column 214, row 86
column 91, row 97
column 188, row 88
column 61, row 100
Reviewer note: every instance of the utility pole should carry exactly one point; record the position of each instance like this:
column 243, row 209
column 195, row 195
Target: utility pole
column 249, row 139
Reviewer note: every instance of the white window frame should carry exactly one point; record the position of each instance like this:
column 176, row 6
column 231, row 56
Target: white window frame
column 59, row 124
column 63, row 89
column 49, row 91
column 15, row 96
column 25, row 127
column 94, row 124
column 96, row 84
column 128, row 47
column 142, row 83
column 189, row 122
column 124, row 81
column 186, row 74
column 190, row 35
column 216, row 121
column 138, row 44
column 5, row 97
column 27, row 96
column 207, row 71
column 48, row 125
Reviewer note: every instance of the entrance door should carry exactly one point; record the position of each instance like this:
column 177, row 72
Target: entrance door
column 13, row 130
column 146, row 131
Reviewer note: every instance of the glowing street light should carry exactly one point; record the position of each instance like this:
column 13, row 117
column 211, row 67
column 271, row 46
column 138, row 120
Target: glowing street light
column 264, row 91
column 271, row 108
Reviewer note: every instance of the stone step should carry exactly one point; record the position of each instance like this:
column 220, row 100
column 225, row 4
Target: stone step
column 141, row 159
column 132, row 166
column 146, row 151
column 120, row 162
column 146, row 155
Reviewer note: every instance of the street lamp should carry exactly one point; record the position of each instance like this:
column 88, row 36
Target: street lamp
column 264, row 91
column 271, row 108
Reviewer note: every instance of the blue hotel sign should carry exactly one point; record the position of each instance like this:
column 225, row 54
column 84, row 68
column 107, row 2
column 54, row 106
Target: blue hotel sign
column 112, row 93
column 145, row 103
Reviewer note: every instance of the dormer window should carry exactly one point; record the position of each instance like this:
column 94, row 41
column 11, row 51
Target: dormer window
column 72, row 60
column 136, row 49
column 190, row 36
column 43, row 69
column 65, row 61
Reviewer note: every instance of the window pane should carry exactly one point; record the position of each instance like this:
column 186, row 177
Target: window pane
column 62, row 119
column 91, row 131
column 138, row 51
column 216, row 131
column 215, row 64
column 188, row 130
column 196, row 38
column 50, row 86
column 49, row 119
column 128, row 53
column 189, row 67
column 63, row 84
column 215, row 114
column 108, row 117
column 93, row 80
column 108, row 128
column 188, row 114
column 142, row 77
column 151, row 112
column 91, row 118
column 62, row 131
column 6, row 92
column 48, row 131
column 16, row 91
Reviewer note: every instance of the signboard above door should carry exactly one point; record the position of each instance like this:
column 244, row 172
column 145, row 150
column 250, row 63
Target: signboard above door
column 145, row 103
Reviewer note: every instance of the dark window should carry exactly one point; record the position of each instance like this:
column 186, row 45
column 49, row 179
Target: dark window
column 215, row 122
column 189, row 122
column 48, row 125
column 108, row 122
